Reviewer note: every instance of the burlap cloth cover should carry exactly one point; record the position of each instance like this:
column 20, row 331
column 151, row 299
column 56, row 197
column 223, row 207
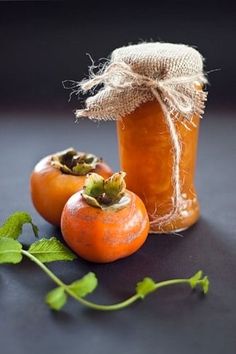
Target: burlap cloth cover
column 139, row 73
column 171, row 69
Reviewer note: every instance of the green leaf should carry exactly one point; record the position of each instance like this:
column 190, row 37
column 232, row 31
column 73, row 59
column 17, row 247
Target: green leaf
column 115, row 186
column 12, row 227
column 91, row 200
column 82, row 169
column 94, row 185
column 205, row 285
column 51, row 250
column 145, row 287
column 56, row 298
column 85, row 285
column 194, row 280
column 10, row 251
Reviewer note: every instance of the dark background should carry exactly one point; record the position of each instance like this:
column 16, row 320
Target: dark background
column 43, row 43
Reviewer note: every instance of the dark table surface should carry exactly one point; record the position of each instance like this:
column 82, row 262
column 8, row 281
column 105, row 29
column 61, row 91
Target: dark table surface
column 174, row 320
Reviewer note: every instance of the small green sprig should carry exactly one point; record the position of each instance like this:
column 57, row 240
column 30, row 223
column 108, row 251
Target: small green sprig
column 12, row 226
column 50, row 250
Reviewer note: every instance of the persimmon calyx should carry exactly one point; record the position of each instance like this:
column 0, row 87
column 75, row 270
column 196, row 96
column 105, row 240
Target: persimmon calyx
column 106, row 193
column 72, row 162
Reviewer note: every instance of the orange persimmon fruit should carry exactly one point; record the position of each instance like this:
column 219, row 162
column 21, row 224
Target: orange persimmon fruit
column 104, row 221
column 57, row 177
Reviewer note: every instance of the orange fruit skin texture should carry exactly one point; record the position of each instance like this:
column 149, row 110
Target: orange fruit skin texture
column 104, row 235
column 50, row 188
column 146, row 155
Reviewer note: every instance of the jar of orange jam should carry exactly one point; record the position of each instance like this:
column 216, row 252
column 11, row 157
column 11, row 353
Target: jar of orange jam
column 154, row 92
column 146, row 155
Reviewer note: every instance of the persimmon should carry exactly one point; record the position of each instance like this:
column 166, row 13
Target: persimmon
column 57, row 177
column 104, row 221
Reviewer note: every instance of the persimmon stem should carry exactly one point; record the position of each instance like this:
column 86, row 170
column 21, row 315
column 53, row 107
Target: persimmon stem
column 92, row 305
column 107, row 194
column 73, row 162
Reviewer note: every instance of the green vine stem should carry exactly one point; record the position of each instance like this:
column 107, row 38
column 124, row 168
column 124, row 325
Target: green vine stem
column 192, row 282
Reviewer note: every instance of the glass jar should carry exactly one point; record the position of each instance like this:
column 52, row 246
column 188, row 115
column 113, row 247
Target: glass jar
column 146, row 155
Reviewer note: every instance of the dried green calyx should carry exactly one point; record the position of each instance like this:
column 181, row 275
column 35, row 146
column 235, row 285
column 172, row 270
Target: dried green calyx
column 75, row 163
column 109, row 193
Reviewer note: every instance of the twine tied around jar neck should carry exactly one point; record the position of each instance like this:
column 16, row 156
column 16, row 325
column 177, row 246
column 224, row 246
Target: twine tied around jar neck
column 177, row 95
column 173, row 92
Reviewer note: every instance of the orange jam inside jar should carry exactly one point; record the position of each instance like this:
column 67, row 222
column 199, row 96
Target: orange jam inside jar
column 146, row 155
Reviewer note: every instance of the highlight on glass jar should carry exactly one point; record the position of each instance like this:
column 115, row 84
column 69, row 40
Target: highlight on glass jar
column 154, row 92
